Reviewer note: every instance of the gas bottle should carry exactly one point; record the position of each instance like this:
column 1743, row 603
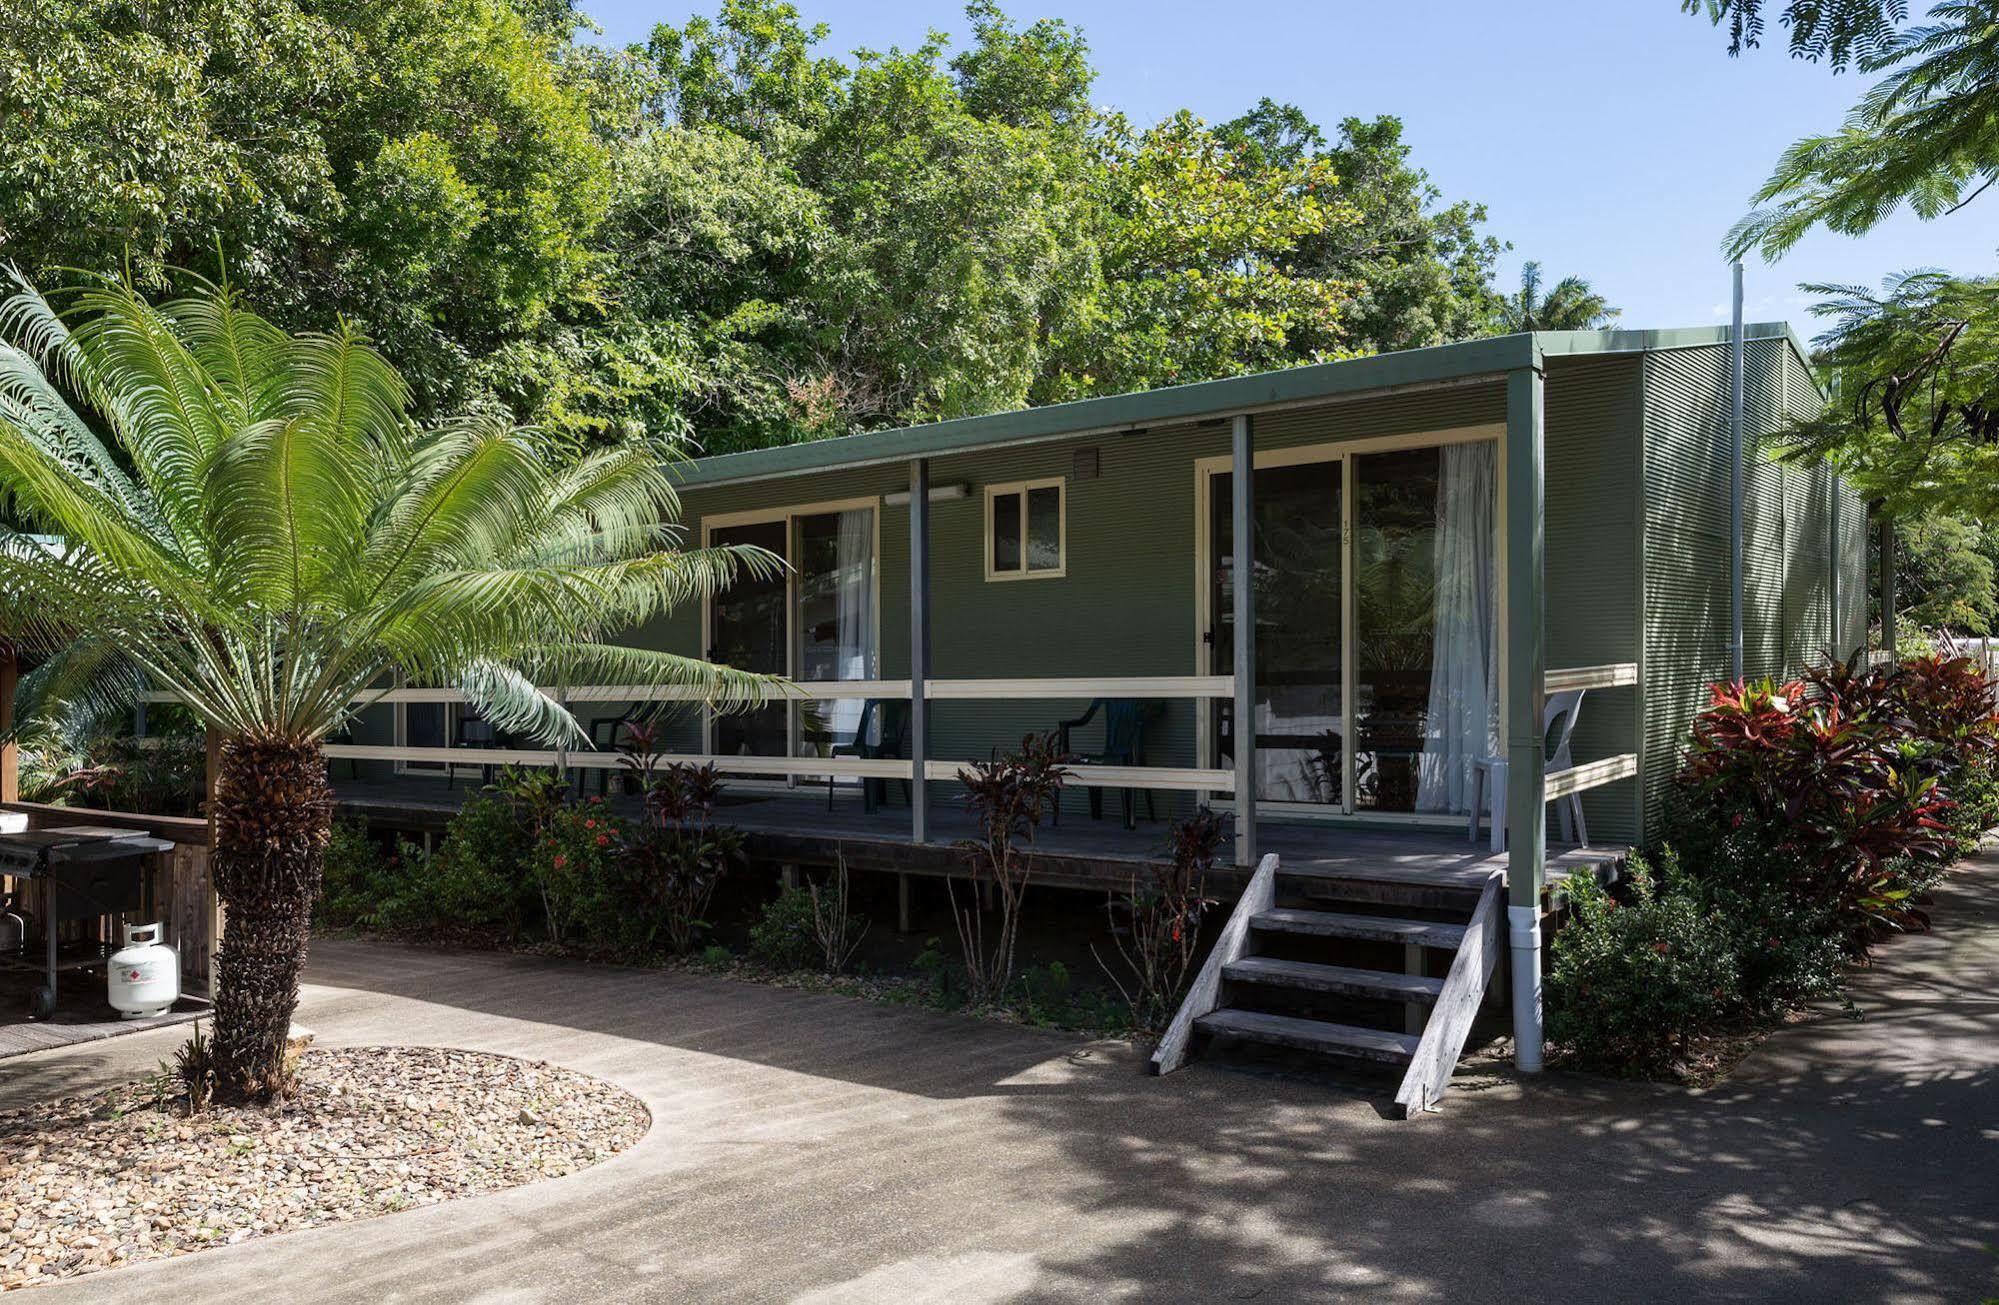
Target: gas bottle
column 144, row 975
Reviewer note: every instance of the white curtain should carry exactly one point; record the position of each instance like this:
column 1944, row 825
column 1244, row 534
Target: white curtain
column 854, row 571
column 1462, row 723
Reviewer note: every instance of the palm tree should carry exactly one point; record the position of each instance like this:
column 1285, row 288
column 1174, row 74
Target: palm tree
column 1570, row 305
column 249, row 521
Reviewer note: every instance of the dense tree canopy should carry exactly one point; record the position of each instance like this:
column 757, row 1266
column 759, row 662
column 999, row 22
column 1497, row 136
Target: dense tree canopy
column 1913, row 419
column 425, row 168
column 726, row 232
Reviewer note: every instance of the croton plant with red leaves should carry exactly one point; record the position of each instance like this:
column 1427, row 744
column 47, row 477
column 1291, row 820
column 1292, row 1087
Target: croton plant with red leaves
column 1842, row 773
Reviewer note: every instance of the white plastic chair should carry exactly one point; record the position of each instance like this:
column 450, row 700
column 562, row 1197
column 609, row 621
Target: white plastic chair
column 1558, row 726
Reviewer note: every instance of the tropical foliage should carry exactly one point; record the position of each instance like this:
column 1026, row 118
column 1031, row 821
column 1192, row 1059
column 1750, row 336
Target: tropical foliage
column 725, row 231
column 1568, row 305
column 1913, row 410
column 249, row 522
column 1810, row 820
column 1926, row 135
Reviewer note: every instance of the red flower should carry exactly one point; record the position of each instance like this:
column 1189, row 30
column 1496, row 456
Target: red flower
column 560, row 860
column 603, row 840
column 1662, row 947
column 589, row 824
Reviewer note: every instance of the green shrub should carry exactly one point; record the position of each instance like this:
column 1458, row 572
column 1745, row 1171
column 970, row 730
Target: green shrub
column 355, row 878
column 478, row 876
column 1787, row 954
column 1633, row 983
column 785, row 936
column 572, row 866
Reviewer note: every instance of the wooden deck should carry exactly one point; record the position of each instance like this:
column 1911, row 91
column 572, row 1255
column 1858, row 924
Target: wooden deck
column 82, row 1015
column 1387, row 863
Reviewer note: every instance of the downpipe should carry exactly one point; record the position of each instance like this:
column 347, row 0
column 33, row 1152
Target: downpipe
column 1524, row 934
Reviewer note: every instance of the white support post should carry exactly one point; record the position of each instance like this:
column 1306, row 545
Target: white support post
column 1242, row 579
column 1526, row 780
column 919, row 648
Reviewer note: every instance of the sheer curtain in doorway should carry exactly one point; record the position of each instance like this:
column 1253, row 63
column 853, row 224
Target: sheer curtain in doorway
column 1462, row 722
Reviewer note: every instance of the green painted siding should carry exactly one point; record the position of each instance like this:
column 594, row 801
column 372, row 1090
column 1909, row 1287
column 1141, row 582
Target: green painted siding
column 1127, row 605
column 1793, row 559
column 1591, row 472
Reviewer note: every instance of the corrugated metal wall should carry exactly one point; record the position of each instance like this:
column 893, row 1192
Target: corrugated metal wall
column 1591, row 469
column 1796, row 561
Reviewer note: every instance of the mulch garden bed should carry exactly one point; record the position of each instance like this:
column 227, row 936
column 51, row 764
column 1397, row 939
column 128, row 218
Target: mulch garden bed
column 93, row 1182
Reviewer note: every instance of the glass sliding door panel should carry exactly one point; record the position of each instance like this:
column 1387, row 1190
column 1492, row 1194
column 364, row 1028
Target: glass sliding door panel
column 426, row 725
column 747, row 630
column 1299, row 722
column 835, row 621
column 1424, row 608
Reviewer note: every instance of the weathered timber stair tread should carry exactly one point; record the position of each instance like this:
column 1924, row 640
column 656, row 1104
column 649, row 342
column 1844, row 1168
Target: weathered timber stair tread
column 1333, row 978
column 1375, row 928
column 1311, row 1035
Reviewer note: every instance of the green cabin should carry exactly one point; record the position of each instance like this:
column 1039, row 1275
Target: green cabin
column 1488, row 589
column 1092, row 541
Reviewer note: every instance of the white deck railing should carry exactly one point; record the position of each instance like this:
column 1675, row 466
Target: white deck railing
column 1193, row 779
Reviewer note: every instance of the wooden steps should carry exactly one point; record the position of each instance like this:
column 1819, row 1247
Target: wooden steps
column 1371, row 928
column 1309, row 976
column 1314, row 980
column 1311, row 1035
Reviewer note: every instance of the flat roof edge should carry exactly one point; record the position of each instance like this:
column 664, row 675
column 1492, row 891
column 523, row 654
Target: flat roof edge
column 1170, row 405
column 1180, row 404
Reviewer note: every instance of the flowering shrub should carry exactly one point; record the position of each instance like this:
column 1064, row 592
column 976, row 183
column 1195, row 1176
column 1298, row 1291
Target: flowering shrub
column 572, row 863
column 1810, row 818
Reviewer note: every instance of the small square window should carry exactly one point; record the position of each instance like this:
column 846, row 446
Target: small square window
column 1026, row 525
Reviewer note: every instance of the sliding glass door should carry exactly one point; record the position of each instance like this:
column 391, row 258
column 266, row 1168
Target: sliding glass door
column 1425, row 654
column 747, row 629
column 836, row 621
column 1296, row 574
column 813, row 621
column 1377, row 617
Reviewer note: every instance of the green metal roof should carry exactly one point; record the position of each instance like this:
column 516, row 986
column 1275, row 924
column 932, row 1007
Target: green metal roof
column 1471, row 361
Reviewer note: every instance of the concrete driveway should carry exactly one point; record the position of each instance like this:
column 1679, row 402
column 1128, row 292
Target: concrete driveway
column 812, row 1148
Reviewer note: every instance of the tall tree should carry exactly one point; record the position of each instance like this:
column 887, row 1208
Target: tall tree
column 1571, row 304
column 1926, row 135
column 1421, row 270
column 251, row 524
column 425, row 169
column 1196, row 236
column 1913, row 420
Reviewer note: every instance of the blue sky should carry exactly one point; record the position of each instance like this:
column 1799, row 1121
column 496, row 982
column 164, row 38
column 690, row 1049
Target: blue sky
column 1611, row 138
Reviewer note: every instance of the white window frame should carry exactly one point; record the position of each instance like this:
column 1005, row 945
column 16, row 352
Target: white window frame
column 995, row 492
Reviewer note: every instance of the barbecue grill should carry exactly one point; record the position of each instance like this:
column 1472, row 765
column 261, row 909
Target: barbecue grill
column 90, row 872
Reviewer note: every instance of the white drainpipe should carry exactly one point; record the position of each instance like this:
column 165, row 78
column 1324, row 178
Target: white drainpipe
column 1524, row 935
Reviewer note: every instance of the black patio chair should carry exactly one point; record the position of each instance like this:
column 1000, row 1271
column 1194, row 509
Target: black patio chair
column 1124, row 745
column 894, row 735
column 472, row 732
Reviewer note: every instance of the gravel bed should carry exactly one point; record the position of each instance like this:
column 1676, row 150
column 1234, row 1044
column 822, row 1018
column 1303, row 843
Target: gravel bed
column 90, row 1183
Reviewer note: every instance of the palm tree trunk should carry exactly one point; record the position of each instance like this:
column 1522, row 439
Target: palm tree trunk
column 273, row 811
